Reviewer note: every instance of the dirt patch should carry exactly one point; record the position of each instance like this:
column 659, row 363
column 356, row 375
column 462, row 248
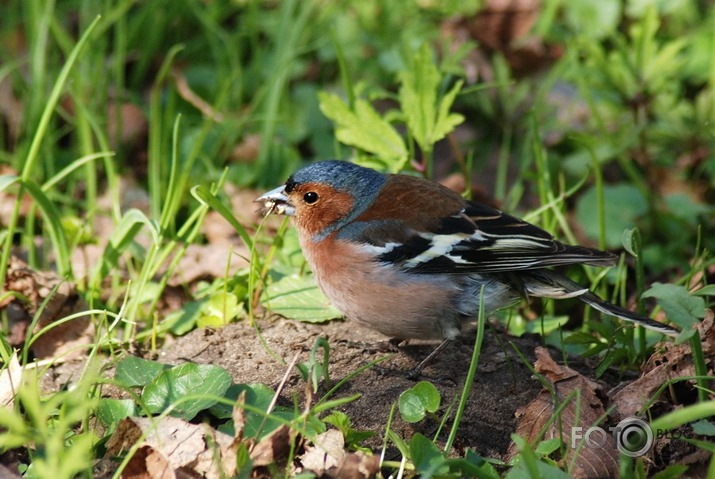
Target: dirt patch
column 503, row 382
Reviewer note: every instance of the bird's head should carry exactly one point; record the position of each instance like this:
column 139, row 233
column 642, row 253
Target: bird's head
column 324, row 196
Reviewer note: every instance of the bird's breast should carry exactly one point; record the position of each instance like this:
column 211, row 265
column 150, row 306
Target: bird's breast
column 395, row 303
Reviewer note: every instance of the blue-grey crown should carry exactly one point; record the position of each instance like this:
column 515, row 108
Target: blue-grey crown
column 363, row 184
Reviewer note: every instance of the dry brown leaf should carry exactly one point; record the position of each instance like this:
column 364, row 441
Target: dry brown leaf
column 327, row 451
column 356, row 465
column 274, row 448
column 500, row 23
column 583, row 410
column 672, row 362
column 327, row 457
column 239, row 417
column 63, row 339
column 173, row 448
column 10, row 379
column 504, row 26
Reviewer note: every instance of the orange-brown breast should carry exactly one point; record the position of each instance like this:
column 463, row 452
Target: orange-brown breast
column 379, row 297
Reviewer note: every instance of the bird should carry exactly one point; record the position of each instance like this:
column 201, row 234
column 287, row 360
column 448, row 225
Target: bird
column 410, row 258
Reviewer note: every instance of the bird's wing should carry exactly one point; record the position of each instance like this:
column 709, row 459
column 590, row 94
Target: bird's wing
column 477, row 239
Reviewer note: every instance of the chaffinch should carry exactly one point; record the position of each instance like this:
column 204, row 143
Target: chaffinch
column 408, row 257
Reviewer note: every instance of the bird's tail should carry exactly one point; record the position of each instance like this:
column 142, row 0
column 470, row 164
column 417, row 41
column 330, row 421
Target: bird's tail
column 549, row 284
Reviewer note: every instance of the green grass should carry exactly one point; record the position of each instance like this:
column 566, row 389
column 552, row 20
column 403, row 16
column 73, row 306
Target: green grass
column 617, row 137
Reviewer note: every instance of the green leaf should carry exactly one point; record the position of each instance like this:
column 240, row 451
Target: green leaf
column 134, row 371
column 363, row 128
column 111, row 411
column 298, row 297
column 183, row 320
column 623, row 206
column 446, row 121
column 704, row 428
column 175, row 384
column 427, row 118
column 593, row 19
column 258, row 397
column 680, row 307
column 708, row 290
column 417, row 401
column 425, row 455
column 673, row 471
column 545, row 448
column 418, row 96
column 220, row 309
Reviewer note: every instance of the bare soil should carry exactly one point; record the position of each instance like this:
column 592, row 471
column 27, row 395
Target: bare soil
column 503, row 382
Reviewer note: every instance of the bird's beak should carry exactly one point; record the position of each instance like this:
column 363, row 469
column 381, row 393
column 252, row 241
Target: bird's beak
column 276, row 201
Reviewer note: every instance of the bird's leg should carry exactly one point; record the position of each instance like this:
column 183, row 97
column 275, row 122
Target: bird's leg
column 417, row 370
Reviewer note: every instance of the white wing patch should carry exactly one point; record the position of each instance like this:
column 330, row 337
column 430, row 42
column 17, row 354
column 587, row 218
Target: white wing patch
column 378, row 250
column 517, row 243
column 442, row 245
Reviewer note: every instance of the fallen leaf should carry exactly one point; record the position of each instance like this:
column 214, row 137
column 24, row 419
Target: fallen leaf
column 327, row 451
column 274, row 448
column 172, row 447
column 61, row 339
column 671, row 362
column 356, row 465
column 584, row 409
column 327, row 457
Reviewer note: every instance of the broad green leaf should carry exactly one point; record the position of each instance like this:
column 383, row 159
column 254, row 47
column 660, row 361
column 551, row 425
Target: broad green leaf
column 111, row 411
column 704, row 428
column 680, row 306
column 134, row 371
column 363, row 128
column 171, row 386
column 183, row 320
column 417, row 401
column 425, row 455
column 446, row 121
column 428, row 118
column 418, row 96
column 548, row 446
column 623, row 205
column 593, row 19
column 298, row 297
column 220, row 309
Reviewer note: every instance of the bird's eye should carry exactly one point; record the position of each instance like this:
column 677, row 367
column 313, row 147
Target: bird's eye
column 310, row 197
